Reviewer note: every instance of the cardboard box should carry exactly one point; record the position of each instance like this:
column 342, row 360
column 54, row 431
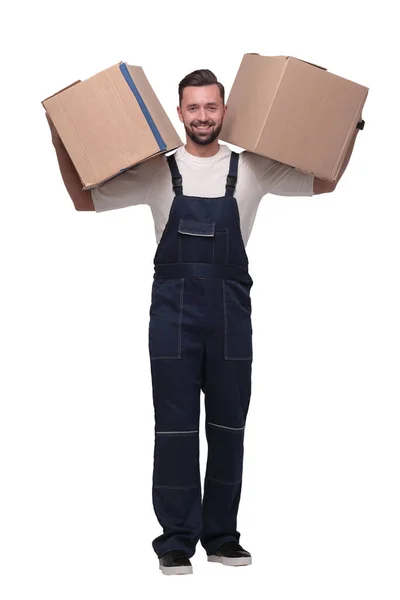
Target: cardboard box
column 111, row 122
column 294, row 112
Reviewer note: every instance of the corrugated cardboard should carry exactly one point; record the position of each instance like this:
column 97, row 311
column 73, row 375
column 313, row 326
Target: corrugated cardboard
column 111, row 122
column 294, row 112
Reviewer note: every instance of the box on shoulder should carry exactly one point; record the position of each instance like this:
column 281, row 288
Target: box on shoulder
column 294, row 112
column 111, row 122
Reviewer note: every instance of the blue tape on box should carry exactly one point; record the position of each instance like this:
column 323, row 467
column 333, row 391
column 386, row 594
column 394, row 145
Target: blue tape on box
column 124, row 70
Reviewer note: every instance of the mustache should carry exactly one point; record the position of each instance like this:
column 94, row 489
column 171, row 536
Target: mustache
column 207, row 123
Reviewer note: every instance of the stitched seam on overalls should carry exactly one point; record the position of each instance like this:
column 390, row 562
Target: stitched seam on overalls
column 225, row 317
column 239, row 266
column 176, row 487
column 227, row 245
column 181, row 318
column 160, row 286
column 225, row 427
column 176, row 432
column 179, row 329
column 226, row 330
column 224, row 482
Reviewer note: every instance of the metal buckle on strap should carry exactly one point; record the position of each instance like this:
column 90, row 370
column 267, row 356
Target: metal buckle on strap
column 177, row 181
column 231, row 181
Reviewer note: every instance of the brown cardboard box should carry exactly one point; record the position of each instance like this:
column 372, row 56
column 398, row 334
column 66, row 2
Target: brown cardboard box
column 111, row 122
column 293, row 112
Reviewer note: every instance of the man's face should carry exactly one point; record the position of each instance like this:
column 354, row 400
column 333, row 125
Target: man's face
column 202, row 113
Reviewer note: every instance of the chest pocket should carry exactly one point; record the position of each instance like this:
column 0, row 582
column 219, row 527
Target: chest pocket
column 196, row 241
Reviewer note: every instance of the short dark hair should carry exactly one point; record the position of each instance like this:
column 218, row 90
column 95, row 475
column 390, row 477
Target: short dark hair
column 199, row 78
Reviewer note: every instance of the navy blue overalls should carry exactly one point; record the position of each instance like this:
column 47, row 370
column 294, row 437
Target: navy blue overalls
column 200, row 338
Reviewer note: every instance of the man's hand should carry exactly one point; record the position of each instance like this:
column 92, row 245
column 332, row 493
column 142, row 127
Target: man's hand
column 82, row 199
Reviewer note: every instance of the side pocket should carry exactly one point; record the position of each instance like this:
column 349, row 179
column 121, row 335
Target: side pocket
column 166, row 312
column 238, row 342
column 158, row 282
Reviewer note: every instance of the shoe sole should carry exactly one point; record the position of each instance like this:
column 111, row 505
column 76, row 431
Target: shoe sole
column 176, row 570
column 230, row 562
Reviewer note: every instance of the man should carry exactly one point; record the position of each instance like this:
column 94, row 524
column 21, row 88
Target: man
column 204, row 200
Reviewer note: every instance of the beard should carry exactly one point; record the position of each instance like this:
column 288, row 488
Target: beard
column 203, row 138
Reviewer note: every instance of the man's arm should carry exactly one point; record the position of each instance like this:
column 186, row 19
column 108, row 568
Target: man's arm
column 324, row 187
column 82, row 199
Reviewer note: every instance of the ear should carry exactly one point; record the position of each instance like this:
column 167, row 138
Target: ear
column 179, row 111
column 225, row 109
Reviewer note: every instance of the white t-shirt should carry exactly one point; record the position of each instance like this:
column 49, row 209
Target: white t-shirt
column 150, row 183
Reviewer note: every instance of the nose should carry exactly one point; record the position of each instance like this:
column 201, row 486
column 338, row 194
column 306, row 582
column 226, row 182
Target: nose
column 202, row 115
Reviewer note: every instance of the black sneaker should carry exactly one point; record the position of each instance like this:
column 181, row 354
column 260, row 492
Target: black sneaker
column 175, row 562
column 231, row 554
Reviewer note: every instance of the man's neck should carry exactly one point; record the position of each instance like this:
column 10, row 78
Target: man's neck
column 201, row 151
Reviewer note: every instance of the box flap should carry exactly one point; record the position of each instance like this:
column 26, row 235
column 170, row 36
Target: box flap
column 308, row 63
column 59, row 92
column 287, row 57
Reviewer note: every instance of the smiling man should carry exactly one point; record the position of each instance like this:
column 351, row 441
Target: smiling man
column 200, row 132
column 204, row 200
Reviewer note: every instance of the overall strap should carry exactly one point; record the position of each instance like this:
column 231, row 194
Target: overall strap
column 232, row 176
column 176, row 176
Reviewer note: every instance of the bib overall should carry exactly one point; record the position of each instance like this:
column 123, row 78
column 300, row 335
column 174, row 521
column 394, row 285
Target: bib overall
column 200, row 339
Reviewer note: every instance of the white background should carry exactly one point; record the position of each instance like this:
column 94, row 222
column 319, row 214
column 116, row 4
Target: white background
column 320, row 501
